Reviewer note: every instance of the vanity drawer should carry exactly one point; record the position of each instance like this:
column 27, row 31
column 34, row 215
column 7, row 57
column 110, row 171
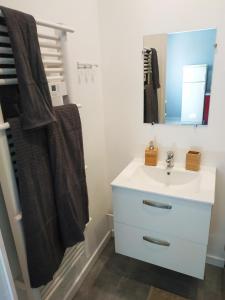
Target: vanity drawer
column 180, row 218
column 161, row 249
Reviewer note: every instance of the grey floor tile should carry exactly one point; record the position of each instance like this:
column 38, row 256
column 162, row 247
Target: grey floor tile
column 159, row 294
column 204, row 294
column 132, row 289
column 117, row 277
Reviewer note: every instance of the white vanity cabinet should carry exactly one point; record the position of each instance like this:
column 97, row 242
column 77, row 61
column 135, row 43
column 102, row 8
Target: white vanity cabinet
column 165, row 231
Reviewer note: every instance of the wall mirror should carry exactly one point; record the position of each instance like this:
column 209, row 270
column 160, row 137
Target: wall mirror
column 178, row 70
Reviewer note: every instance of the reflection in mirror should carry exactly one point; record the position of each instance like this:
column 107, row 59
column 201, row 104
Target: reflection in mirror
column 177, row 76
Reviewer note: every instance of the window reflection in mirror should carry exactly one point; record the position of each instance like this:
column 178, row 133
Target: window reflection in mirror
column 178, row 70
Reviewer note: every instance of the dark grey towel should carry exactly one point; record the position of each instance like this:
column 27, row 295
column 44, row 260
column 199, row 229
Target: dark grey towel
column 52, row 190
column 68, row 170
column 151, row 113
column 40, row 218
column 155, row 70
column 35, row 101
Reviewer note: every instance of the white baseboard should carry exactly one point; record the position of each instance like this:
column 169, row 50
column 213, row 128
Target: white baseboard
column 215, row 261
column 79, row 280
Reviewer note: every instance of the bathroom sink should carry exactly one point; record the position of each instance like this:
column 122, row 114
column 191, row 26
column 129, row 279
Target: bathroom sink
column 162, row 176
column 175, row 182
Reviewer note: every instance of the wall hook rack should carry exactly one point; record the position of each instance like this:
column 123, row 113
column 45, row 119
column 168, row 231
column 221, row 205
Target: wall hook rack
column 86, row 66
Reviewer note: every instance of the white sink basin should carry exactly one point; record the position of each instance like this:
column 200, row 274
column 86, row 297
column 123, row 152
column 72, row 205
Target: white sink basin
column 177, row 182
column 161, row 176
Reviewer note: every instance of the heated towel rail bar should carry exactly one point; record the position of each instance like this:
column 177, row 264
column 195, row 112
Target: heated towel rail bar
column 52, row 50
column 50, row 24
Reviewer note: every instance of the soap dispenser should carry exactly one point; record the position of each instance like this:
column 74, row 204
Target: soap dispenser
column 151, row 155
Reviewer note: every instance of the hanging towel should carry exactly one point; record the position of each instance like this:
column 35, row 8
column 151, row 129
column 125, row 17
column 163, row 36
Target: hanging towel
column 68, row 170
column 150, row 105
column 151, row 114
column 52, row 190
column 155, row 70
column 39, row 212
column 35, row 101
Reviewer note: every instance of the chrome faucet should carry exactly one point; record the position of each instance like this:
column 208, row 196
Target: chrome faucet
column 170, row 160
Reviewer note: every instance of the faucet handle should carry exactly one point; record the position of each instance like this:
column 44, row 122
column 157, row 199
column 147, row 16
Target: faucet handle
column 170, row 154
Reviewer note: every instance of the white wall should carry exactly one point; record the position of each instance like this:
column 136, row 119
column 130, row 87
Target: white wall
column 122, row 25
column 83, row 46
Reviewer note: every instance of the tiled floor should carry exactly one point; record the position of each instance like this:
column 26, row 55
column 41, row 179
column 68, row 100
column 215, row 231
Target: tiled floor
column 116, row 277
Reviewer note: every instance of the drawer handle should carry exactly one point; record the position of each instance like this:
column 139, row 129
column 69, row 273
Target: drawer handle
column 156, row 241
column 157, row 204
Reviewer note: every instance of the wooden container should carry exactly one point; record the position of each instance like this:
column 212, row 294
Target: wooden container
column 151, row 156
column 193, row 159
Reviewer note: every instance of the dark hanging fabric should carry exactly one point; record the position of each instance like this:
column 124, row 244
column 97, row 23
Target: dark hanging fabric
column 151, row 114
column 10, row 97
column 150, row 105
column 52, row 190
column 34, row 103
column 68, row 169
column 39, row 212
column 50, row 161
column 155, row 70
